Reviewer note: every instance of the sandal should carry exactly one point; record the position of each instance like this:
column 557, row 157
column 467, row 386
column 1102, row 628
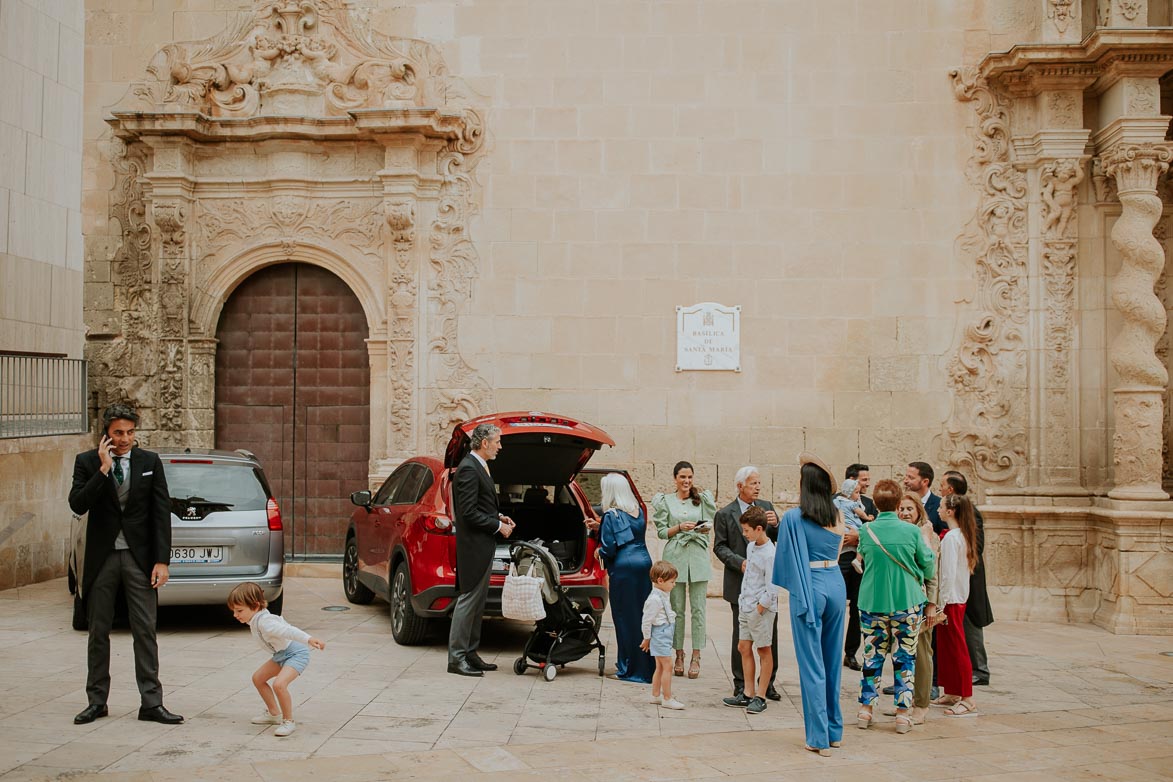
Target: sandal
column 961, row 709
column 823, row 751
column 903, row 723
column 694, row 665
column 947, row 700
column 836, row 744
column 678, row 670
column 863, row 719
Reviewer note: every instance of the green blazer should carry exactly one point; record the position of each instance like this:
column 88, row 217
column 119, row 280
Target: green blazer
column 687, row 551
column 886, row 587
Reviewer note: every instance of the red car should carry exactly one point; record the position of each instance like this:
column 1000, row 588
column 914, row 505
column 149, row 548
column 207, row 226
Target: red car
column 401, row 544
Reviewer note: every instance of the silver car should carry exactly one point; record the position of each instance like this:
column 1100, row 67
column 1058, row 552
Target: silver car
column 225, row 529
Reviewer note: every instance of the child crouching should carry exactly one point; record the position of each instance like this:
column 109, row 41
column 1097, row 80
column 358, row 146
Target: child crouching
column 285, row 642
column 659, row 622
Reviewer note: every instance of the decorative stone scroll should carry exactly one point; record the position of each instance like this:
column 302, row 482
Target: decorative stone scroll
column 986, row 433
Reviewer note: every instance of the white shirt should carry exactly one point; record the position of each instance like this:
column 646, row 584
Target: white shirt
column 657, row 611
column 273, row 633
column 756, row 588
column 953, row 577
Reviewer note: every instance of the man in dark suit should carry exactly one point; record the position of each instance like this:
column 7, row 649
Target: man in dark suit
column 128, row 545
column 919, row 481
column 978, row 612
column 477, row 524
column 862, row 473
column 729, row 545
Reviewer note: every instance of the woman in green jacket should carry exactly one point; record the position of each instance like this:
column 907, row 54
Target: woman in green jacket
column 685, row 519
column 891, row 602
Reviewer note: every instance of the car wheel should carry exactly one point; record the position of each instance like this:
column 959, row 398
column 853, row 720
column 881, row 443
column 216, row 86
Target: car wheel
column 356, row 592
column 79, row 614
column 550, row 671
column 407, row 628
column 276, row 605
column 520, row 666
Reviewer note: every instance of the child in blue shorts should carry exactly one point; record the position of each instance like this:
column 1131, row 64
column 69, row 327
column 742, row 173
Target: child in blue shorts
column 285, row 642
column 659, row 621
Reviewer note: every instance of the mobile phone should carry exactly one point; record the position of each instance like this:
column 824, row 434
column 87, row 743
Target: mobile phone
column 704, row 526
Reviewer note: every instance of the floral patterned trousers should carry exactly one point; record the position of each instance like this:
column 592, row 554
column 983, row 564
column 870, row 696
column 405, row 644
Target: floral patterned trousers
column 892, row 634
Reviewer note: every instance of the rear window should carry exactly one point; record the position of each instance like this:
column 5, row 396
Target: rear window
column 237, row 486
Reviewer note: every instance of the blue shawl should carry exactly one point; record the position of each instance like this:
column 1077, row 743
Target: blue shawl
column 615, row 532
column 792, row 565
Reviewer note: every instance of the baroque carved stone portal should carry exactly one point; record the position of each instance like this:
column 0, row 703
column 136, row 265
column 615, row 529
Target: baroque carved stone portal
column 297, row 134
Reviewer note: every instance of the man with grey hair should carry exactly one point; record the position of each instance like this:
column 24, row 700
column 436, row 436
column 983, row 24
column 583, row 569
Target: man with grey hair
column 128, row 546
column 477, row 521
column 729, row 545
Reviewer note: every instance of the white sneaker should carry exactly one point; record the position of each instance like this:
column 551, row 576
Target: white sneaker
column 672, row 703
column 285, row 728
column 656, row 699
column 267, row 719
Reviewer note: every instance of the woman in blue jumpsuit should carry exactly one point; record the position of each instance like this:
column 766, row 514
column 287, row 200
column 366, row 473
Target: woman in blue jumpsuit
column 625, row 555
column 806, row 564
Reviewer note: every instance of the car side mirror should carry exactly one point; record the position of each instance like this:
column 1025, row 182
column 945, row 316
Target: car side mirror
column 361, row 498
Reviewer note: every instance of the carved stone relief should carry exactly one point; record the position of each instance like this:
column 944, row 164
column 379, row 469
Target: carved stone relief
column 306, row 74
column 1060, row 12
column 986, row 432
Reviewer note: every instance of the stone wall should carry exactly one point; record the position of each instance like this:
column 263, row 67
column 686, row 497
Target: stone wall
column 41, row 56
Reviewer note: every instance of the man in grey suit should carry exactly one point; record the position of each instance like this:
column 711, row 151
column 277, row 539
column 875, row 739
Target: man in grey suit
column 729, row 546
column 128, row 545
column 477, row 523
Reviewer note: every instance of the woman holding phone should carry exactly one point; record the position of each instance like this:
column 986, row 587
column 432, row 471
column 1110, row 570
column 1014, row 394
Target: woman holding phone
column 684, row 518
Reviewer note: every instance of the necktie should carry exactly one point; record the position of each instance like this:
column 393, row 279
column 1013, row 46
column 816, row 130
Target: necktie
column 118, row 474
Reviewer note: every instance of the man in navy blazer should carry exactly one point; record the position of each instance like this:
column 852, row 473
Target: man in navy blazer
column 919, row 481
column 730, row 546
column 128, row 545
column 477, row 523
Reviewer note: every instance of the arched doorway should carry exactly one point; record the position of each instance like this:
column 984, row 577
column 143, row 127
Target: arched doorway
column 293, row 387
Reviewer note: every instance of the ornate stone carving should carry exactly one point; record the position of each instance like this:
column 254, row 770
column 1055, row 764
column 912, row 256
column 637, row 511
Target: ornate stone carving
column 1059, row 180
column 1142, row 100
column 170, row 384
column 986, row 432
column 1060, row 13
column 1104, row 185
column 1138, row 399
column 1130, row 9
column 402, row 315
column 1061, row 109
column 170, row 220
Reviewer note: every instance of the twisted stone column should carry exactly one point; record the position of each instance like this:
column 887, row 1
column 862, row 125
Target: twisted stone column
column 1139, row 399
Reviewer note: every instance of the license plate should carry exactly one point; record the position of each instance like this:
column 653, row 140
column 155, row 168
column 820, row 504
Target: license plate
column 197, row 555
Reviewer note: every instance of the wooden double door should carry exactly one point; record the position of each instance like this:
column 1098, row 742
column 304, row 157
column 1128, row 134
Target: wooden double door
column 293, row 387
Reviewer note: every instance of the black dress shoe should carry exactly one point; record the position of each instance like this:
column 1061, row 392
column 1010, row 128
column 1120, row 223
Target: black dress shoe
column 890, row 689
column 90, row 713
column 476, row 662
column 773, row 694
column 463, row 668
column 981, row 682
column 160, row 715
column 852, row 663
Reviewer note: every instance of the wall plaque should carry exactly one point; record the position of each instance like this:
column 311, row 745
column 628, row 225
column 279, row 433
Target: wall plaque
column 708, row 336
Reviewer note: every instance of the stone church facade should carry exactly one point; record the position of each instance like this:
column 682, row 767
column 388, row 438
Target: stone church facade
column 944, row 225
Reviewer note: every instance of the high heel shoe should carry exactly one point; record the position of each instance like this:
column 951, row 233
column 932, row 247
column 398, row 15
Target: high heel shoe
column 678, row 670
column 694, row 665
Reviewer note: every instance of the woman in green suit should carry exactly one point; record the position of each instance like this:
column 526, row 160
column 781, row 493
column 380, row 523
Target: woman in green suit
column 685, row 519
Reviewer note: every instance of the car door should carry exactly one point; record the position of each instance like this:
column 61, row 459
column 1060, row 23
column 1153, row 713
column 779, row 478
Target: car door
column 374, row 545
column 589, row 480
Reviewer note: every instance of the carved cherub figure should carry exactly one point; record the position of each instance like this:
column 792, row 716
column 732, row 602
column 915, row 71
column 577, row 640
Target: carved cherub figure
column 1060, row 181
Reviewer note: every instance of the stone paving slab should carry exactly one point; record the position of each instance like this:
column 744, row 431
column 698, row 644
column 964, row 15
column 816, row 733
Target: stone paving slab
column 1067, row 702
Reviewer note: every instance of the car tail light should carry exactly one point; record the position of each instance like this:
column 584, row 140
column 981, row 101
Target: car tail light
column 439, row 525
column 440, row 603
column 597, row 603
column 274, row 514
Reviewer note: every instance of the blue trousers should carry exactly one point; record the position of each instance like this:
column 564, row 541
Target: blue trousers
column 819, row 651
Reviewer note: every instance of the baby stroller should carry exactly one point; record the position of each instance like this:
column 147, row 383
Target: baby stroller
column 568, row 632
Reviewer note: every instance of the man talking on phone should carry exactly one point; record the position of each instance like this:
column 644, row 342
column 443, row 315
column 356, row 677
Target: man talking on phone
column 128, row 545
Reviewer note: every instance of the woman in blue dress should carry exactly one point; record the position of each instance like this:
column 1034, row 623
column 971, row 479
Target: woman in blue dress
column 806, row 564
column 625, row 555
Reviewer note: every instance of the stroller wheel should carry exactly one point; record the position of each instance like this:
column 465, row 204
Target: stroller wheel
column 520, row 666
column 550, row 671
column 602, row 663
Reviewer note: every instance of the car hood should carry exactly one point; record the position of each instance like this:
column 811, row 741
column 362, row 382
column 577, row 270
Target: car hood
column 536, row 448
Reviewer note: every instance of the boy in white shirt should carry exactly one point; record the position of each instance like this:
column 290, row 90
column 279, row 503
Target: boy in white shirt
column 757, row 606
column 285, row 642
column 659, row 622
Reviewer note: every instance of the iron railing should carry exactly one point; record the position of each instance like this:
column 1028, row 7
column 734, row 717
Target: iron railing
column 42, row 395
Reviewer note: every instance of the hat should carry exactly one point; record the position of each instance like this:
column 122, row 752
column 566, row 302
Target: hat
column 806, row 457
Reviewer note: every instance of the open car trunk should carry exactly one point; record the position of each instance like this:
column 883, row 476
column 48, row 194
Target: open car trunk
column 554, row 521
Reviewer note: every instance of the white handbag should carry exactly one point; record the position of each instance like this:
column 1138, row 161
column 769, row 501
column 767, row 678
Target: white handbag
column 522, row 596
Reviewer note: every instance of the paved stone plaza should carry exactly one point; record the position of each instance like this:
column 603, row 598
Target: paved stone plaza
column 1068, row 702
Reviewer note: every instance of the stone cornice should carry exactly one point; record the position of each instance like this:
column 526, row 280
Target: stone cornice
column 1099, row 61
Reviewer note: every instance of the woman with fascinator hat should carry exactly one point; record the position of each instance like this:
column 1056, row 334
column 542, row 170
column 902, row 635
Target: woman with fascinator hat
column 806, row 564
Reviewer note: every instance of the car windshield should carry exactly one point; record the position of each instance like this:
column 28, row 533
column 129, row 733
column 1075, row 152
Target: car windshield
column 232, row 485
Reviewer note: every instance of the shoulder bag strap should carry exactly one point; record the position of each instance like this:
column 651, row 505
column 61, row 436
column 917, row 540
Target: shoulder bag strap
column 881, row 545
